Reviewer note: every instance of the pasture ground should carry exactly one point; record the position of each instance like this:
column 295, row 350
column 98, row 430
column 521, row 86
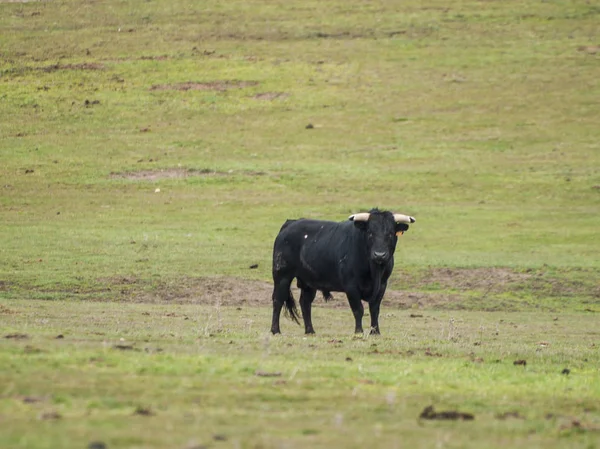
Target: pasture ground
column 150, row 151
column 192, row 375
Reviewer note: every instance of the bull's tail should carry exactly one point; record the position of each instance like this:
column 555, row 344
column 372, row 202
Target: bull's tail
column 326, row 295
column 290, row 308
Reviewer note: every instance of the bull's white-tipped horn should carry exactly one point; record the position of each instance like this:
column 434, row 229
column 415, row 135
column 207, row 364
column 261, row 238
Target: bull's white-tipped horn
column 363, row 216
column 400, row 218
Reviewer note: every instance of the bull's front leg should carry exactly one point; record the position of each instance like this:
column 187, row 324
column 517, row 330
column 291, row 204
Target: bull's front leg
column 355, row 301
column 374, row 309
column 374, row 312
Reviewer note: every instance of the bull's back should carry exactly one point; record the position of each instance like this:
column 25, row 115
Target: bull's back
column 297, row 234
column 312, row 250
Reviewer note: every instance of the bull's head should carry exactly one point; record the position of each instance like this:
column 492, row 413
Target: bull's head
column 381, row 230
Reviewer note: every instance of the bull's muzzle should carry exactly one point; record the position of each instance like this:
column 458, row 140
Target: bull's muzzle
column 380, row 258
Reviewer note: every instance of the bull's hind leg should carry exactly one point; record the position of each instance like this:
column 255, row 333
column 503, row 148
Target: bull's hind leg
column 281, row 293
column 307, row 296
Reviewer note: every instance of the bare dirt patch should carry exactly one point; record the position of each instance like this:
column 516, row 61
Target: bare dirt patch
column 6, row 311
column 589, row 49
column 496, row 280
column 143, row 411
column 178, row 173
column 17, row 337
column 155, row 58
column 223, row 291
column 153, row 175
column 467, row 278
column 33, row 399
column 267, row 374
column 82, row 66
column 429, row 413
column 511, row 414
column 270, row 96
column 51, row 415
column 227, row 291
column 219, row 86
column 455, row 289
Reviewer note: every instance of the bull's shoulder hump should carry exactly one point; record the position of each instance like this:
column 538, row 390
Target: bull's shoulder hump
column 310, row 225
column 304, row 227
column 308, row 222
column 287, row 223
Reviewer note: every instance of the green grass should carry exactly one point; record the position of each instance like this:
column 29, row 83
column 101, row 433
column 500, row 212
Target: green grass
column 194, row 368
column 482, row 124
column 478, row 118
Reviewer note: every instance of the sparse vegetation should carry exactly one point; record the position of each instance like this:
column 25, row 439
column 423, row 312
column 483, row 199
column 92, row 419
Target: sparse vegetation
column 150, row 152
column 151, row 376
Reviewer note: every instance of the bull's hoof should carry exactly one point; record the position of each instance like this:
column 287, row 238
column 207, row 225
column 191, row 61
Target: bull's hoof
column 374, row 331
column 310, row 332
column 275, row 331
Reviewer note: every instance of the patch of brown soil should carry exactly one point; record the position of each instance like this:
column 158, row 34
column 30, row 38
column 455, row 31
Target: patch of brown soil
column 173, row 173
column 227, row 291
column 223, row 291
column 6, row 311
column 452, row 415
column 51, row 415
column 589, row 49
column 344, row 35
column 214, row 290
column 17, row 336
column 153, row 175
column 497, row 280
column 155, row 58
column 33, row 399
column 220, row 86
column 468, row 278
column 143, row 411
column 270, row 96
column 453, row 288
column 507, row 415
column 82, row 66
column 267, row 374
column 579, row 426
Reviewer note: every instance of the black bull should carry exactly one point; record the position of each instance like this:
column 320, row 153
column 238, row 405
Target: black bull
column 355, row 257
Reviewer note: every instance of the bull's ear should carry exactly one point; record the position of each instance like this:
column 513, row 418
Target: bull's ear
column 362, row 225
column 401, row 227
column 360, row 220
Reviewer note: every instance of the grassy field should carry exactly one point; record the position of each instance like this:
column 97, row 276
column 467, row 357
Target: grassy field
column 133, row 375
column 150, row 151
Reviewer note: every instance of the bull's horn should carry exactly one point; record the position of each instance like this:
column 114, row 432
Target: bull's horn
column 363, row 216
column 399, row 218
